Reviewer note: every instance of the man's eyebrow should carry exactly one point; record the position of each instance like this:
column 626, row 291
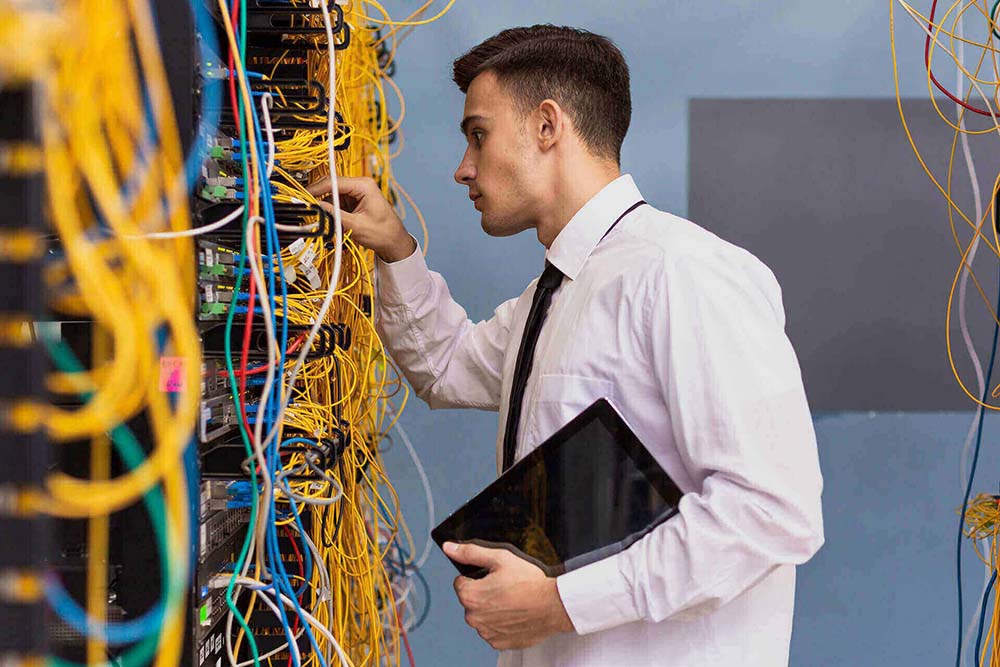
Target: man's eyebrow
column 467, row 121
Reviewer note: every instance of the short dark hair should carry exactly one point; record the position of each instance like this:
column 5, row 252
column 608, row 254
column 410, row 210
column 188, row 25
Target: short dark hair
column 585, row 73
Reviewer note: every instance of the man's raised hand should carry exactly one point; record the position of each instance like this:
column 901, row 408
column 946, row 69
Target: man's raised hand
column 368, row 216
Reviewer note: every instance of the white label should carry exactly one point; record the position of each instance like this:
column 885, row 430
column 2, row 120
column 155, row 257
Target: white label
column 297, row 246
column 209, row 293
column 312, row 275
column 290, row 275
column 203, row 537
column 209, row 258
column 308, row 256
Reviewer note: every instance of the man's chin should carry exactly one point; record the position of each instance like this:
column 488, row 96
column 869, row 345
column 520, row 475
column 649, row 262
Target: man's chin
column 500, row 228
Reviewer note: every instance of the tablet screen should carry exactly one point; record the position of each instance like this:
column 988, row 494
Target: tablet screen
column 587, row 492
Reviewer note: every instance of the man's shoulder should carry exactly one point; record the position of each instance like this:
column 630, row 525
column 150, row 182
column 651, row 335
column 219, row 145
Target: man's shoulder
column 659, row 248
column 658, row 241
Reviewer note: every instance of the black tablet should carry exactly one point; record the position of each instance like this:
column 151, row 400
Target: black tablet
column 589, row 491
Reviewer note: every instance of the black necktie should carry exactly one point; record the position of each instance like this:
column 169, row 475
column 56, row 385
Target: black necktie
column 547, row 283
column 550, row 279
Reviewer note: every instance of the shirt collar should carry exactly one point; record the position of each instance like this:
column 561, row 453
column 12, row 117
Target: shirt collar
column 577, row 240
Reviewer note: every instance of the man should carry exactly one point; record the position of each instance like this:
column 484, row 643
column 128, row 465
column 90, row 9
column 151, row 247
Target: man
column 682, row 329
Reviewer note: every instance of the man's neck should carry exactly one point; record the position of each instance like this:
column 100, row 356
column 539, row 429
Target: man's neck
column 575, row 189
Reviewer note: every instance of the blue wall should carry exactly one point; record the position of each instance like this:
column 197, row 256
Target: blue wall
column 881, row 592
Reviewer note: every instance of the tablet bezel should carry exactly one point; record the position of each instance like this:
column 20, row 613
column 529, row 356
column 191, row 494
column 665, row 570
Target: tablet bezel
column 624, row 436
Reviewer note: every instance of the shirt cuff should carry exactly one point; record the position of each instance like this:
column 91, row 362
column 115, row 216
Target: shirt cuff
column 597, row 597
column 400, row 280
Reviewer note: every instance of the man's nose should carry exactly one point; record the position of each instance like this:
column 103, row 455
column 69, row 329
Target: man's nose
column 466, row 172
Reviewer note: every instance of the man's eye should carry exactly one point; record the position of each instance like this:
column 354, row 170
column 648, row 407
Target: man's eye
column 477, row 135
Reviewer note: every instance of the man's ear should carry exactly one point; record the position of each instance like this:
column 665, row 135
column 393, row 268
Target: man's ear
column 551, row 124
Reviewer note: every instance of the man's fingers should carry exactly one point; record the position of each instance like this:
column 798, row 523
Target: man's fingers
column 473, row 554
column 355, row 187
column 320, row 188
column 347, row 218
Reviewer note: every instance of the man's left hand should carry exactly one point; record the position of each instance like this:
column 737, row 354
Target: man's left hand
column 515, row 605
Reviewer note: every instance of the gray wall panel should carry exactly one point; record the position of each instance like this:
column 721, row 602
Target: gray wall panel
column 828, row 193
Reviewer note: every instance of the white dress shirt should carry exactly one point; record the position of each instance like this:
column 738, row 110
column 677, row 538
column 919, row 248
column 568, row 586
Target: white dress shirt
column 685, row 333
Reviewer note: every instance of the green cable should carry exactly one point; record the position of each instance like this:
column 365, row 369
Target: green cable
column 131, row 453
column 233, row 385
column 993, row 18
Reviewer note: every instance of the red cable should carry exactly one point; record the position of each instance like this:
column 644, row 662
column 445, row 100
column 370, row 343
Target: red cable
column 406, row 641
column 249, row 322
column 302, row 574
column 927, row 66
column 247, row 329
column 296, row 344
column 242, row 373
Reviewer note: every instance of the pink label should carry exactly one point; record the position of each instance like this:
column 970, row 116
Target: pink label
column 172, row 374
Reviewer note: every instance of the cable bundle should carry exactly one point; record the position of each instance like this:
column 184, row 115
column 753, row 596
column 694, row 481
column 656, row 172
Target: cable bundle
column 113, row 167
column 349, row 574
column 966, row 36
column 300, row 381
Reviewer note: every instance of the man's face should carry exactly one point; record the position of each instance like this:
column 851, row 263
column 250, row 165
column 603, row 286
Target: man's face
column 499, row 159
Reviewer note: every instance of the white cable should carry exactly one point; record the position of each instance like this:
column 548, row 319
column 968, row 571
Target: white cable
column 265, row 108
column 966, row 271
column 963, row 323
column 223, row 581
column 399, row 599
column 254, row 584
column 196, row 231
column 265, row 105
column 259, row 446
column 311, row 227
column 294, row 646
column 427, row 488
column 337, row 223
column 326, row 591
column 236, row 594
column 287, row 490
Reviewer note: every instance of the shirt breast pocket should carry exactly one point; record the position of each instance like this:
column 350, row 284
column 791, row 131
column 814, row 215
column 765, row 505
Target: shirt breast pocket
column 562, row 397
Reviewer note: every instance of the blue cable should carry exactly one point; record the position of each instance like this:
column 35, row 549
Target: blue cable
column 307, row 565
column 281, row 581
column 279, row 574
column 150, row 622
column 274, row 247
column 972, row 476
column 270, row 550
column 115, row 634
column 295, row 512
column 982, row 614
column 403, row 568
column 192, row 474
